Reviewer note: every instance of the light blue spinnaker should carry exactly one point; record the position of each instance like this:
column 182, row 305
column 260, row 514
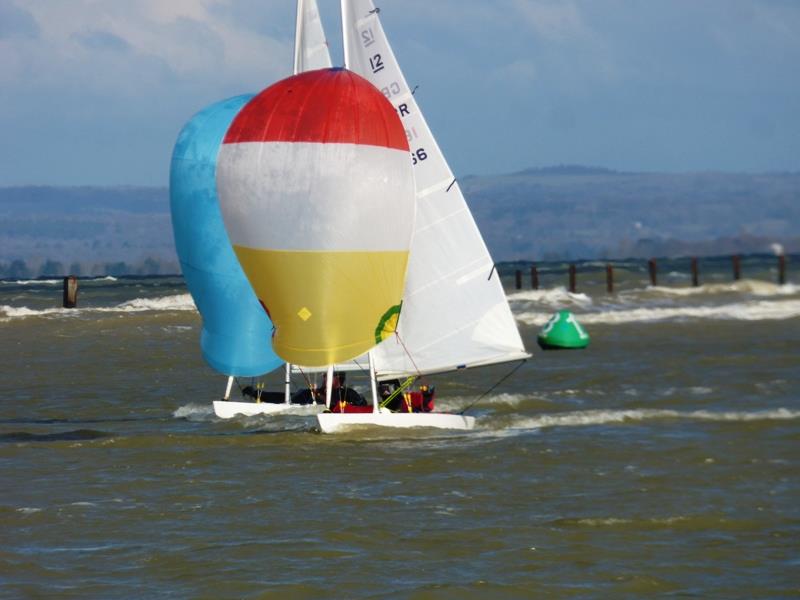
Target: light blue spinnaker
column 236, row 336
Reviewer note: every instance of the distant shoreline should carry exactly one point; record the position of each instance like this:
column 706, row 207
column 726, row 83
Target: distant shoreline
column 555, row 213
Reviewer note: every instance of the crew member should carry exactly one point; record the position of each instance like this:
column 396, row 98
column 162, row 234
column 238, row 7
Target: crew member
column 341, row 395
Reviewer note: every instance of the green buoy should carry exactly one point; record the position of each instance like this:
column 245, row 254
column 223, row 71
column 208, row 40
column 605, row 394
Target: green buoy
column 562, row 332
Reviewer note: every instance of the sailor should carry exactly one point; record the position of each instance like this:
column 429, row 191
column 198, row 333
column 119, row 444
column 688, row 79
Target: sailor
column 407, row 400
column 309, row 395
column 341, row 395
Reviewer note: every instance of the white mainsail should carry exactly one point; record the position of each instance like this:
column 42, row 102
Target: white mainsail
column 455, row 313
column 310, row 46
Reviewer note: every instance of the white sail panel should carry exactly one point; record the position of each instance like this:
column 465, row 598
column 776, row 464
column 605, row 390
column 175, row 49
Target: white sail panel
column 310, row 46
column 455, row 313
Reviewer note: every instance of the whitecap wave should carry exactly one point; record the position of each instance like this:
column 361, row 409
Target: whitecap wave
column 177, row 302
column 510, row 399
column 23, row 311
column 757, row 310
column 195, row 412
column 744, row 286
column 31, row 281
column 602, row 417
column 28, row 510
column 613, row 521
column 555, row 297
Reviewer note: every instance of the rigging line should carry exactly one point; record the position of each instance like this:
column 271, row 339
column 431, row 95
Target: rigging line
column 411, row 358
column 482, row 396
column 494, row 268
column 303, row 373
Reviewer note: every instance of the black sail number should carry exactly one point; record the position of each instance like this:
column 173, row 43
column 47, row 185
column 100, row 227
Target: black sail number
column 376, row 63
column 418, row 155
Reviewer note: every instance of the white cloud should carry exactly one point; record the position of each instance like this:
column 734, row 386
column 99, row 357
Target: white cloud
column 551, row 19
column 180, row 38
column 520, row 72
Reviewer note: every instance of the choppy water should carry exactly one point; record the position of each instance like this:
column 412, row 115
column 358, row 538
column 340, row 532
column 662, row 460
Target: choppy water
column 661, row 461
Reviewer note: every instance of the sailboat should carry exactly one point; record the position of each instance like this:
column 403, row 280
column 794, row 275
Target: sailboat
column 455, row 313
column 236, row 331
column 307, row 174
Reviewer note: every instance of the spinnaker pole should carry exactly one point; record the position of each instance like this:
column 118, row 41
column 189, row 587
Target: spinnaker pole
column 228, row 388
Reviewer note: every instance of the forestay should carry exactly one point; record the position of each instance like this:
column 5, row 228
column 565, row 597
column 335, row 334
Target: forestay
column 455, row 313
column 310, row 46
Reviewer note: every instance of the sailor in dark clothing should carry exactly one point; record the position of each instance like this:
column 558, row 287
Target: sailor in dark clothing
column 259, row 395
column 309, row 396
column 340, row 393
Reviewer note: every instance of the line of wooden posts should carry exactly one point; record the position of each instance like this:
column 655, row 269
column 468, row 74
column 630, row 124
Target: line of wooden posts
column 652, row 267
column 70, row 296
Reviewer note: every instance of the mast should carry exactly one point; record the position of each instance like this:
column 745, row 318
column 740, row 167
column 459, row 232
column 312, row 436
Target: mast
column 228, row 387
column 347, row 18
column 329, row 386
column 373, row 384
column 287, row 392
column 298, row 39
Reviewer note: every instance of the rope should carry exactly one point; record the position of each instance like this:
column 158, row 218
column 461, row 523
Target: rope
column 487, row 392
column 399, row 390
column 303, row 373
column 239, row 385
column 311, row 387
column 411, row 358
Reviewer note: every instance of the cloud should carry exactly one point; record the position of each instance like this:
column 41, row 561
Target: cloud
column 181, row 36
column 520, row 72
column 551, row 19
column 15, row 21
column 102, row 40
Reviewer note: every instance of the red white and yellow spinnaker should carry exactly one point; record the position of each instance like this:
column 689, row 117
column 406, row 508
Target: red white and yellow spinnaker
column 317, row 193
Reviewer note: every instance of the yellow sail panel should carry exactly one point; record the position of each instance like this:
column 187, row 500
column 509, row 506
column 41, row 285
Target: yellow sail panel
column 327, row 307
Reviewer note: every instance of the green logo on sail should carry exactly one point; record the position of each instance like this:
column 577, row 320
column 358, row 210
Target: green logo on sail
column 388, row 323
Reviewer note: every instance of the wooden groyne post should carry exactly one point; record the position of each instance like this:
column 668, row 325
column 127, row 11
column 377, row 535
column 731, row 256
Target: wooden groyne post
column 653, row 267
column 518, row 279
column 781, row 269
column 609, row 279
column 70, row 297
column 695, row 273
column 572, row 279
column 737, row 267
column 534, row 278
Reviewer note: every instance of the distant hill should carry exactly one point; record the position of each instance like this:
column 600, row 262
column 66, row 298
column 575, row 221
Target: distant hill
column 561, row 212
column 85, row 231
column 580, row 212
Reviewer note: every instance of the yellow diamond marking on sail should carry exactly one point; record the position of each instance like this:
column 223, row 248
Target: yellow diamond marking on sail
column 304, row 313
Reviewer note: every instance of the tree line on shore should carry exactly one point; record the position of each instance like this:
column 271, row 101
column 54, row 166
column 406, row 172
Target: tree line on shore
column 21, row 269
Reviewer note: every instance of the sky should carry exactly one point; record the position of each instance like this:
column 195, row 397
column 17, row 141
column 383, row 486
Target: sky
column 94, row 92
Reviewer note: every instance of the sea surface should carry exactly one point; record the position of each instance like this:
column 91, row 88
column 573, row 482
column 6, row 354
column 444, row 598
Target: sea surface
column 662, row 461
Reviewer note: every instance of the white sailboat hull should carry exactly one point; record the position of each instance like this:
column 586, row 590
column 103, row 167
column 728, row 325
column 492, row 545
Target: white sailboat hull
column 336, row 422
column 226, row 409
